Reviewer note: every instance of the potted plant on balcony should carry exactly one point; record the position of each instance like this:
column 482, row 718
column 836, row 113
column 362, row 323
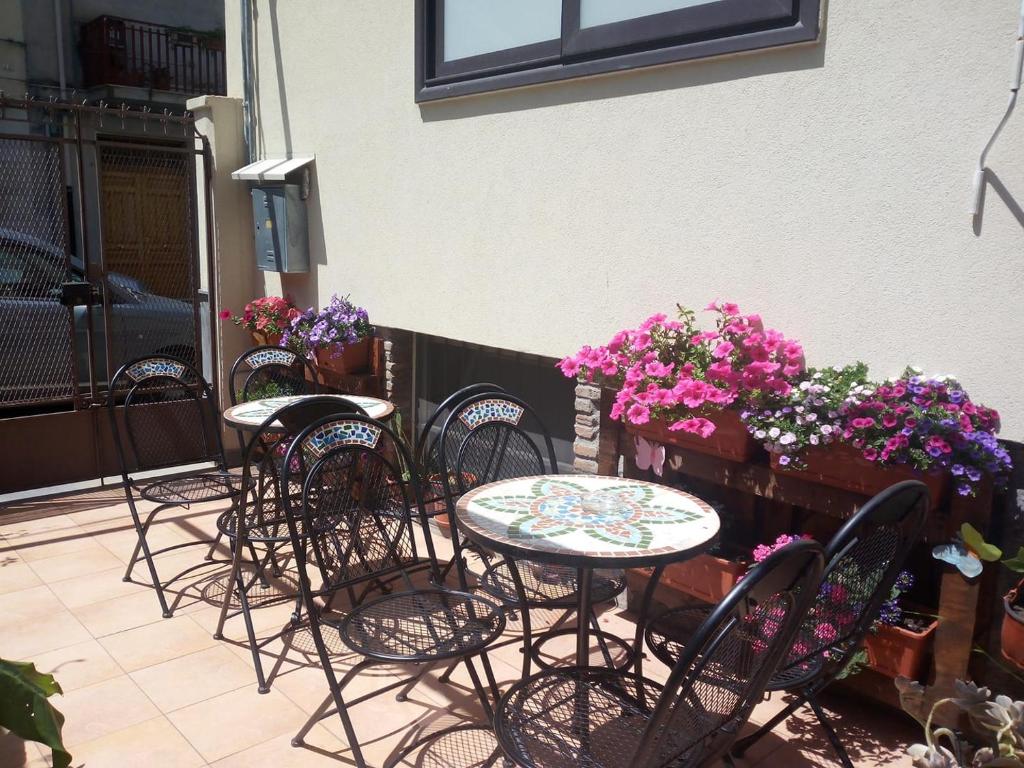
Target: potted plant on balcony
column 900, row 642
column 679, row 385
column 266, row 318
column 338, row 336
column 841, row 429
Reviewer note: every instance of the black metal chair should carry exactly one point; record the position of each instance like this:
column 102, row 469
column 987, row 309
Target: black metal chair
column 485, row 438
column 428, row 443
column 262, row 520
column 599, row 717
column 863, row 561
column 268, row 371
column 353, row 525
column 163, row 415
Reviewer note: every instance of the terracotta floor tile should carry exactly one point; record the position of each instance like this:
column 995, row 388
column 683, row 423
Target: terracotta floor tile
column 154, row 742
column 16, row 574
column 17, row 753
column 46, row 544
column 101, row 709
column 235, row 721
column 122, row 613
column 79, row 665
column 198, row 676
column 74, row 564
column 28, row 638
column 94, row 588
column 25, row 603
column 156, row 643
column 322, row 750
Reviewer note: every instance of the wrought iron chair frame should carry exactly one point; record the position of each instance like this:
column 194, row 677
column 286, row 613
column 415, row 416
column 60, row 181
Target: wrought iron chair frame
column 904, row 507
column 148, row 370
column 412, row 503
column 794, row 572
column 519, row 599
column 261, row 449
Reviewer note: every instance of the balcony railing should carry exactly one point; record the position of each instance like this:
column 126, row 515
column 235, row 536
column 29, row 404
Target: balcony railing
column 118, row 51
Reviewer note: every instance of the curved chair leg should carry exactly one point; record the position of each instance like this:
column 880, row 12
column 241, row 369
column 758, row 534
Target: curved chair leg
column 144, row 546
column 830, row 732
column 742, row 745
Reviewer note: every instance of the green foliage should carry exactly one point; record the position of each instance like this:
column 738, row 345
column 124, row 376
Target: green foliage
column 977, row 544
column 1016, row 563
column 25, row 710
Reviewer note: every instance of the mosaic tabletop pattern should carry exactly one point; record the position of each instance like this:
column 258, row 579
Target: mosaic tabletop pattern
column 250, row 415
column 581, row 517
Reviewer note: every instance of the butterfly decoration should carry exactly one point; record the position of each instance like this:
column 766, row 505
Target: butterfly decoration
column 968, row 551
column 650, row 455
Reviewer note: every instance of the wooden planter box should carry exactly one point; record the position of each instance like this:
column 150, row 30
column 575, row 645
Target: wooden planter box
column 730, row 440
column 842, row 466
column 706, row 577
column 354, row 358
column 1011, row 636
column 898, row 652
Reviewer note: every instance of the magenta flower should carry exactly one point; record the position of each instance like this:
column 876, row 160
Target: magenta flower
column 638, row 414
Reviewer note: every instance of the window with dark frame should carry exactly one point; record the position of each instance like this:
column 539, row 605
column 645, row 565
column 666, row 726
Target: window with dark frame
column 473, row 46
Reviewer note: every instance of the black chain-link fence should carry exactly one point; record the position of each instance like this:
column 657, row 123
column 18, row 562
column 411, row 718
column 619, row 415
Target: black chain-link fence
column 36, row 344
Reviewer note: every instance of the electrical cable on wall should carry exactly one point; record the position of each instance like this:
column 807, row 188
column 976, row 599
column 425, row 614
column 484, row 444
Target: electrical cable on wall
column 1018, row 71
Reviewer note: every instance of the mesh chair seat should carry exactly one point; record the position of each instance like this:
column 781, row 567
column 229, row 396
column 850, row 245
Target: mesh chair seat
column 194, row 489
column 578, row 717
column 548, row 586
column 667, row 635
column 425, row 625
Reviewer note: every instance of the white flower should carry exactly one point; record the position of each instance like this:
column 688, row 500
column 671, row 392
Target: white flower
column 774, row 432
column 825, row 429
column 799, row 409
column 814, row 439
column 799, row 419
column 787, row 439
column 760, row 434
column 811, row 417
column 805, row 385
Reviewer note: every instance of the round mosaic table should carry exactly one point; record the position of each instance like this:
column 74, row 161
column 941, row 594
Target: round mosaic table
column 251, row 415
column 588, row 522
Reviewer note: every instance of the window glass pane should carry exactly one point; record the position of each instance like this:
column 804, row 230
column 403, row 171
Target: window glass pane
column 595, row 12
column 473, row 27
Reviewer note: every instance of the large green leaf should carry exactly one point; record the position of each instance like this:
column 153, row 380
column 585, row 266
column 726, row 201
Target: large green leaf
column 977, row 544
column 25, row 710
column 1016, row 563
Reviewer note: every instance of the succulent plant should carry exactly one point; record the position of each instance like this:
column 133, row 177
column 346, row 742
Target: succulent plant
column 993, row 735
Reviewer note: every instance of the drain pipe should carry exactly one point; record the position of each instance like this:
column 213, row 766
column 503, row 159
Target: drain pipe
column 247, row 92
column 60, row 48
column 1018, row 71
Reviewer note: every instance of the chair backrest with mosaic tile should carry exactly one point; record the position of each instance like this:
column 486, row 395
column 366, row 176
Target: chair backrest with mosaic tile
column 356, row 508
column 163, row 414
column 268, row 371
column 263, row 454
column 493, row 436
column 723, row 672
column 864, row 560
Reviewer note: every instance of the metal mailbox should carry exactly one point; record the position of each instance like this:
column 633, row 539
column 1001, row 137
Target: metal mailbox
column 281, row 232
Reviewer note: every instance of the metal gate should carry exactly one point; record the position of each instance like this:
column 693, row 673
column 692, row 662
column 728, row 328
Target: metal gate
column 99, row 264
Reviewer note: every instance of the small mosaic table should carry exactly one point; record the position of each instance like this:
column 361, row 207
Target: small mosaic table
column 250, row 415
column 588, row 522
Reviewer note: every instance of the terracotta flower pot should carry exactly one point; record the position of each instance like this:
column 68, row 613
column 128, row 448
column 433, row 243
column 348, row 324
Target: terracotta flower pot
column 840, row 465
column 899, row 652
column 705, row 577
column 437, row 509
column 266, row 338
column 730, row 440
column 1011, row 636
column 353, row 358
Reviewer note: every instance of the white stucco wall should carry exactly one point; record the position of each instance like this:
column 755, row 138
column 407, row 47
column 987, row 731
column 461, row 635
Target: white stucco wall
column 824, row 186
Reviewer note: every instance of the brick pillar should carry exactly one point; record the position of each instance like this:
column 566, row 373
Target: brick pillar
column 587, row 444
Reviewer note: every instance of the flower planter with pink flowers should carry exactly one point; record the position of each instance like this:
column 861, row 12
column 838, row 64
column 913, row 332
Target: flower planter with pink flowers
column 842, row 466
column 677, row 384
column 729, row 439
column 266, row 318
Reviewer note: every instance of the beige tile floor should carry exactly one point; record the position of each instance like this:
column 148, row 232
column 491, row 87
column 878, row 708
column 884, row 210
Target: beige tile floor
column 143, row 690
